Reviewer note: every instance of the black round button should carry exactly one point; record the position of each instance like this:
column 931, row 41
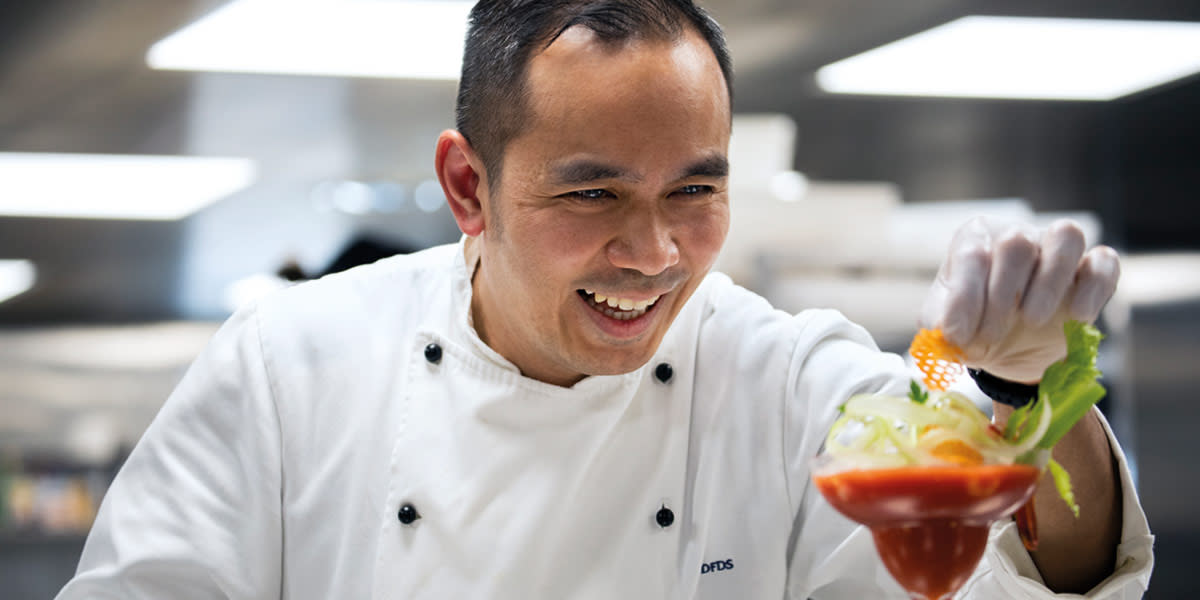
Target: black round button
column 408, row 513
column 663, row 372
column 664, row 517
column 433, row 353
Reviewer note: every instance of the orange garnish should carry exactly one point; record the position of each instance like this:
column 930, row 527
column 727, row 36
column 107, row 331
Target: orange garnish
column 957, row 452
column 939, row 360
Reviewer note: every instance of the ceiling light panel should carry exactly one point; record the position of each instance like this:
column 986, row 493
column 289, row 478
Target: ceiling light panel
column 349, row 38
column 16, row 277
column 1023, row 58
column 116, row 186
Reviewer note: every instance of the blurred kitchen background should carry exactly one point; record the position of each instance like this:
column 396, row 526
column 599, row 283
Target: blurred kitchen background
column 140, row 205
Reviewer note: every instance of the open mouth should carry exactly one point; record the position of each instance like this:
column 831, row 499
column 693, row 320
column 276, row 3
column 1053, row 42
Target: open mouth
column 622, row 309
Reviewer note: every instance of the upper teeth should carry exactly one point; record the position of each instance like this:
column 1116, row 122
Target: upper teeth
column 622, row 303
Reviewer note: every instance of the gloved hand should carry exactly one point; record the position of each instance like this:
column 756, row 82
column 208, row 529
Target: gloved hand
column 1005, row 290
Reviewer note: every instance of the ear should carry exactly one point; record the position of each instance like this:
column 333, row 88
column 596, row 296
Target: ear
column 463, row 180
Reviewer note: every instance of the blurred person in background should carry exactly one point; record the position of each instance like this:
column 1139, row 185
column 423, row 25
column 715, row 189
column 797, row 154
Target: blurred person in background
column 567, row 403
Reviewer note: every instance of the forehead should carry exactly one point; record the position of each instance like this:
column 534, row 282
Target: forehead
column 587, row 96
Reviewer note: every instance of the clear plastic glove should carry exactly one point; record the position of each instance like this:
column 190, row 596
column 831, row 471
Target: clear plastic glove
column 1006, row 289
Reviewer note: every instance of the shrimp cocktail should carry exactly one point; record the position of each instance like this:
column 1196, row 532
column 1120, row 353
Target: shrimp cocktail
column 929, row 473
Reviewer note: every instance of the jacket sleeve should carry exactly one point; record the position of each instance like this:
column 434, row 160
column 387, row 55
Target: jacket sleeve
column 195, row 510
column 1007, row 571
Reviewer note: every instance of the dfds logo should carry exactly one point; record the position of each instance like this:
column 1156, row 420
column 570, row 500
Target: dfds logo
column 716, row 565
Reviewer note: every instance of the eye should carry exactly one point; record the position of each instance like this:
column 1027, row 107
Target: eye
column 695, row 190
column 588, row 195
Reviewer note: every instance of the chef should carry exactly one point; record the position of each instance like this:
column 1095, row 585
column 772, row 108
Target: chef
column 567, row 403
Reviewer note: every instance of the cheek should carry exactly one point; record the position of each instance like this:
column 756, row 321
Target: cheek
column 566, row 237
column 553, row 252
column 706, row 231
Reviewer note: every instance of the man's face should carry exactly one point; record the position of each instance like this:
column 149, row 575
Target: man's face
column 615, row 194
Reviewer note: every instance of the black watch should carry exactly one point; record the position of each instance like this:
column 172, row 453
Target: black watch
column 1004, row 391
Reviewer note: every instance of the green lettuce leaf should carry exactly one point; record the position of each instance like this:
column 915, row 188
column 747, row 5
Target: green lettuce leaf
column 1069, row 386
column 1062, row 482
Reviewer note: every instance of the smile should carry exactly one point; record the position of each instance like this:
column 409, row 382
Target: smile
column 622, row 309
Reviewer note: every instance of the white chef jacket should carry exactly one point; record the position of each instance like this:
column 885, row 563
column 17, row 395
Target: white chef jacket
column 278, row 467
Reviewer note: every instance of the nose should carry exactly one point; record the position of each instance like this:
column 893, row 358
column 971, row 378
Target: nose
column 646, row 244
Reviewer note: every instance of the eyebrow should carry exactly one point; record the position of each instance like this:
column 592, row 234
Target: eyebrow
column 715, row 166
column 582, row 171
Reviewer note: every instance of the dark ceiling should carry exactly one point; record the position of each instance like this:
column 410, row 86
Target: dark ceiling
column 73, row 79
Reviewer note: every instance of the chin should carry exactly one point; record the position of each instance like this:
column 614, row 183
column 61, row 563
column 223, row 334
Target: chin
column 626, row 364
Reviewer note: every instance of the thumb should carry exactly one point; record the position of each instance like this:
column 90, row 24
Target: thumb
column 956, row 299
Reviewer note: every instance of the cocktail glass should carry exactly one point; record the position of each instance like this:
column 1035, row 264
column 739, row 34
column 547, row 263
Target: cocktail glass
column 930, row 523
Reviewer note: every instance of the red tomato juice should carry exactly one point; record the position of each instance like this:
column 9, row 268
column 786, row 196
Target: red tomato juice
column 930, row 523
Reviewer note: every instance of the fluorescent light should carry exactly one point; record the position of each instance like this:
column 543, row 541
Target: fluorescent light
column 1020, row 57
column 352, row 38
column 16, row 277
column 115, row 186
column 1152, row 279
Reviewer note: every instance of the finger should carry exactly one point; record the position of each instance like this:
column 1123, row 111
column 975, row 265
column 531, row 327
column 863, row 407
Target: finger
column 933, row 310
column 1014, row 256
column 955, row 303
column 1062, row 250
column 1095, row 282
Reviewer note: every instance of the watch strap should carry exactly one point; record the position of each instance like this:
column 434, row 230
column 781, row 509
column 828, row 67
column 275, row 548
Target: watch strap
column 1004, row 391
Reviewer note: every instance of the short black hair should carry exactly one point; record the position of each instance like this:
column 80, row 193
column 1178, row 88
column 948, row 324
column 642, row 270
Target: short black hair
column 503, row 35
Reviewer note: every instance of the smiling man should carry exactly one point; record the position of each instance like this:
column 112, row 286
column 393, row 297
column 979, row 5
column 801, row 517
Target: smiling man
column 567, row 403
